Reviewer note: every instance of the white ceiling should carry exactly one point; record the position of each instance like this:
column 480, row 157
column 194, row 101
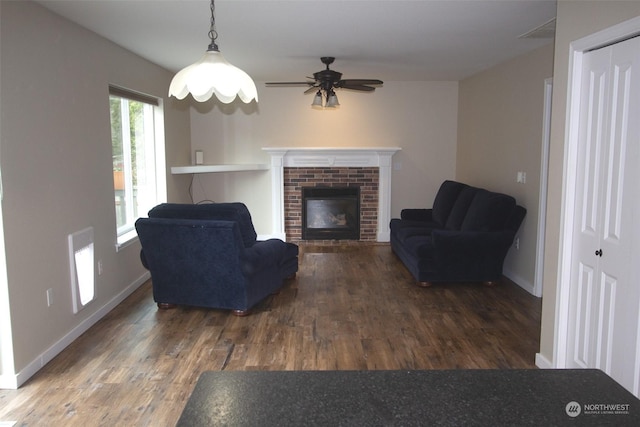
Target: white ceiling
column 391, row 40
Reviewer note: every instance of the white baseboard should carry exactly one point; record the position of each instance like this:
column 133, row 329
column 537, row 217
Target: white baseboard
column 15, row 381
column 520, row 281
column 542, row 362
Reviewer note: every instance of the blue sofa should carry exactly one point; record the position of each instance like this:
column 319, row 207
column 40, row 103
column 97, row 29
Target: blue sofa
column 464, row 237
column 207, row 255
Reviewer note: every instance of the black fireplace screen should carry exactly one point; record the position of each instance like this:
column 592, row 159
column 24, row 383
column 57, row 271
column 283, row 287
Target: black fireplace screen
column 331, row 213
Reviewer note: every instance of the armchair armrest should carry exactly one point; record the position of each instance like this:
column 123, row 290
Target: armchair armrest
column 143, row 259
column 263, row 255
column 417, row 214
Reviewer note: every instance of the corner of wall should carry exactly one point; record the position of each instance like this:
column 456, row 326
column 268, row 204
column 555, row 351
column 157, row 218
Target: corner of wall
column 520, row 281
column 542, row 362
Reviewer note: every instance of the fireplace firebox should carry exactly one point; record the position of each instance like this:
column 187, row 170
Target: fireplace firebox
column 330, row 213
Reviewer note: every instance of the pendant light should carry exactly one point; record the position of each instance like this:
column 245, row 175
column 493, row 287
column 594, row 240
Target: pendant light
column 213, row 74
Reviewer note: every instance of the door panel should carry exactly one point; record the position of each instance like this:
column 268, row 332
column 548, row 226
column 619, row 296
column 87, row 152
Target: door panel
column 595, row 320
column 587, row 234
column 620, row 241
column 615, row 168
column 605, row 282
column 593, row 136
column 606, row 321
column 584, row 329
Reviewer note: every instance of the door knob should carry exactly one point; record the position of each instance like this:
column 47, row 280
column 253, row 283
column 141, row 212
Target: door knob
column 599, row 252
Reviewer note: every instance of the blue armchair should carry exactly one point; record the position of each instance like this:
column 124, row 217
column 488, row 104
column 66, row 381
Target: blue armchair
column 207, row 255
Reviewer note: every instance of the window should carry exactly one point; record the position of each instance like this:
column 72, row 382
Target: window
column 137, row 141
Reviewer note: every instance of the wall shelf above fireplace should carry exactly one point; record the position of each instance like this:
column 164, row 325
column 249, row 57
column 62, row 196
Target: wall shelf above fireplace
column 178, row 170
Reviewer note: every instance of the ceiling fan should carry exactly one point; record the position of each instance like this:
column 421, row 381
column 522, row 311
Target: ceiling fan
column 325, row 81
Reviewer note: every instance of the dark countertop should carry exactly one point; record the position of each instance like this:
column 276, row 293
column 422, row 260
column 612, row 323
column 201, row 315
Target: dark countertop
column 410, row 398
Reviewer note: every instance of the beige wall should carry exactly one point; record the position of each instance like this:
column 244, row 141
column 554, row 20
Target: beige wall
column 575, row 19
column 419, row 117
column 500, row 126
column 55, row 158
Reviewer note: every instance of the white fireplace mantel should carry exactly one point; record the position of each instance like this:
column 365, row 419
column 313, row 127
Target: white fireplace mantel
column 301, row 157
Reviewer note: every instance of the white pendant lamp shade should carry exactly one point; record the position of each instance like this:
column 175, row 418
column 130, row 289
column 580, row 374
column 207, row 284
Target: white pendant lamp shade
column 212, row 74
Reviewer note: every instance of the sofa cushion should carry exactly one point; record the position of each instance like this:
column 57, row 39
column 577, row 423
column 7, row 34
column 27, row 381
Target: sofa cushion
column 416, row 215
column 488, row 211
column 445, row 200
column 236, row 211
column 460, row 207
column 397, row 225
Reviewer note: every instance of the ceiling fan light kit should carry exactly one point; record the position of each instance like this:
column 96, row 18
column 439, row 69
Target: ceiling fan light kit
column 325, row 81
column 331, row 100
column 213, row 74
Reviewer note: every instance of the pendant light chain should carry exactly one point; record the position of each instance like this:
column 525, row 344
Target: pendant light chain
column 213, row 34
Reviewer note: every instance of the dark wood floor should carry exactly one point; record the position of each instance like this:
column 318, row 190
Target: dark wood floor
column 349, row 308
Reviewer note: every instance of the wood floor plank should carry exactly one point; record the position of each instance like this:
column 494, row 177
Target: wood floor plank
column 349, row 308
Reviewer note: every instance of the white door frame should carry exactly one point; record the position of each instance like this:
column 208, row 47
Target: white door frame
column 578, row 48
column 544, row 186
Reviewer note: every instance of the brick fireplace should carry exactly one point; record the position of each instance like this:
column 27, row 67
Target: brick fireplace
column 366, row 179
column 368, row 169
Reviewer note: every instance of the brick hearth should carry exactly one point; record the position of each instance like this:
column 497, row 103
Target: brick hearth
column 366, row 178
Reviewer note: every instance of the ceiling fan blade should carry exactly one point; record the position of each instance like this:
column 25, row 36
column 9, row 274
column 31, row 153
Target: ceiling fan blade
column 327, row 79
column 357, row 87
column 289, row 83
column 360, row 82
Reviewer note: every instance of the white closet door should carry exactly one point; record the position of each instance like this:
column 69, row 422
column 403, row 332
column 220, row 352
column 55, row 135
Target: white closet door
column 605, row 287
column 621, row 233
column 587, row 321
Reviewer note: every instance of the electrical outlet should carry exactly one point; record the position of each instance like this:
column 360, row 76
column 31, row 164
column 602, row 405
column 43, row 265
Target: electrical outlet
column 517, row 243
column 49, row 297
column 100, row 267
